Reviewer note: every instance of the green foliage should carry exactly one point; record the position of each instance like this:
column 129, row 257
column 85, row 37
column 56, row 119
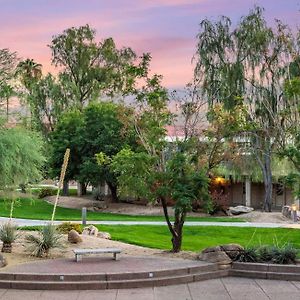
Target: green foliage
column 249, row 254
column 45, row 192
column 285, row 254
column 66, row 227
column 90, row 68
column 21, row 157
column 8, row 233
column 47, row 239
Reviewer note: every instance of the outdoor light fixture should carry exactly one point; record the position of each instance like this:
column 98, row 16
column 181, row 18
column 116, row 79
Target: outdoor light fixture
column 219, row 180
column 294, row 207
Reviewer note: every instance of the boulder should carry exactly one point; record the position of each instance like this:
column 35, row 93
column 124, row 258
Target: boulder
column 218, row 257
column 232, row 250
column 240, row 209
column 104, row 235
column 74, row 237
column 90, row 230
column 3, row 261
column 221, row 255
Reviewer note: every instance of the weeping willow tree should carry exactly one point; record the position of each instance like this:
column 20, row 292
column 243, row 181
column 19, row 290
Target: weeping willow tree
column 21, row 158
column 248, row 63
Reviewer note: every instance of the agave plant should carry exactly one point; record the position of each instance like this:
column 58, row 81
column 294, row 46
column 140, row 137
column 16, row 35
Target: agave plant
column 47, row 239
column 8, row 234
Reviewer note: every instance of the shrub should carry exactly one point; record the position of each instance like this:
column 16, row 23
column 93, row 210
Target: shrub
column 284, row 255
column 265, row 253
column 47, row 239
column 249, row 254
column 8, row 234
column 66, row 227
column 45, row 192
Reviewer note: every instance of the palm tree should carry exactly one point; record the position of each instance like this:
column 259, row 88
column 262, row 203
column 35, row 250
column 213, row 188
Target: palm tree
column 29, row 71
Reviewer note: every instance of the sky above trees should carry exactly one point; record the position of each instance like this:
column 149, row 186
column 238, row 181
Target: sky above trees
column 166, row 28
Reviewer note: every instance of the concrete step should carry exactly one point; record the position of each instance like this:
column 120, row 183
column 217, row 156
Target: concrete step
column 266, row 267
column 265, row 271
column 107, row 276
column 110, row 284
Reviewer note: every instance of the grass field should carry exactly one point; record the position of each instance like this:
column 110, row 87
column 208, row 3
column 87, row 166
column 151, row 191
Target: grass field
column 42, row 210
column 200, row 237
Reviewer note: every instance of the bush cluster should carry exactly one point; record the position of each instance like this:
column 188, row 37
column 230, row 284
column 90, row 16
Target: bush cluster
column 45, row 192
column 66, row 227
column 285, row 254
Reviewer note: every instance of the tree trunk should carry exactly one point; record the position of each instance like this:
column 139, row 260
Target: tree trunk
column 83, row 188
column 114, row 194
column 267, row 179
column 176, row 229
column 65, row 191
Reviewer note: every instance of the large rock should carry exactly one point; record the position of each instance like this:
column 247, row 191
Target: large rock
column 218, row 257
column 90, row 230
column 240, row 209
column 221, row 255
column 3, row 261
column 104, row 235
column 232, row 250
column 74, row 237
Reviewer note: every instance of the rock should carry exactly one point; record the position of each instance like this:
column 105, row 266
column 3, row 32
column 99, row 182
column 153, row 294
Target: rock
column 232, row 250
column 240, row 209
column 3, row 261
column 74, row 237
column 104, row 235
column 286, row 211
column 101, row 205
column 90, row 230
column 218, row 257
column 222, row 255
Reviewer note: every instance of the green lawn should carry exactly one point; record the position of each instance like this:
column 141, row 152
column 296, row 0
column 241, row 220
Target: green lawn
column 41, row 210
column 198, row 238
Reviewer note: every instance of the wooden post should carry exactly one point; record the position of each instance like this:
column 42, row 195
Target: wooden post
column 61, row 180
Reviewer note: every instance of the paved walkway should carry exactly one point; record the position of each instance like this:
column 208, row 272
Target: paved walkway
column 28, row 222
column 228, row 288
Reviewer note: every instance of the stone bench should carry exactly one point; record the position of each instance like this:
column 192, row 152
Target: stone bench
column 80, row 252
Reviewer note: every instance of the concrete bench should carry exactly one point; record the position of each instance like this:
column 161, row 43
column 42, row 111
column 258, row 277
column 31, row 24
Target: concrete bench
column 80, row 252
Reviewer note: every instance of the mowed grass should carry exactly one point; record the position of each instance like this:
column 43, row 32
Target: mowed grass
column 26, row 208
column 200, row 237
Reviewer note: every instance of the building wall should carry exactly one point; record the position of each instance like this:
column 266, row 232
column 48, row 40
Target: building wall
column 280, row 197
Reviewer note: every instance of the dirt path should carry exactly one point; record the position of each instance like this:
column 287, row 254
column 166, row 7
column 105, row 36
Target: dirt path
column 132, row 209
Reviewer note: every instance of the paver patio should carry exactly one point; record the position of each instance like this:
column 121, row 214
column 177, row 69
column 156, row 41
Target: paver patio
column 217, row 289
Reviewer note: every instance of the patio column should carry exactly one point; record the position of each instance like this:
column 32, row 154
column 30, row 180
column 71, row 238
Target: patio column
column 248, row 191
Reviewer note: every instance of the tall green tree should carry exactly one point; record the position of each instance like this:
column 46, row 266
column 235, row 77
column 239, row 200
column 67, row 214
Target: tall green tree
column 91, row 68
column 248, row 63
column 158, row 171
column 29, row 71
column 99, row 127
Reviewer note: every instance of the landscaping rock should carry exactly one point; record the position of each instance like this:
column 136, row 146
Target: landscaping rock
column 240, row 209
column 222, row 255
column 3, row 261
column 218, row 257
column 286, row 211
column 90, row 230
column 74, row 237
column 104, row 235
column 232, row 250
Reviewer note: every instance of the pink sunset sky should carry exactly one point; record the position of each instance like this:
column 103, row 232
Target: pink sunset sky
column 165, row 28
